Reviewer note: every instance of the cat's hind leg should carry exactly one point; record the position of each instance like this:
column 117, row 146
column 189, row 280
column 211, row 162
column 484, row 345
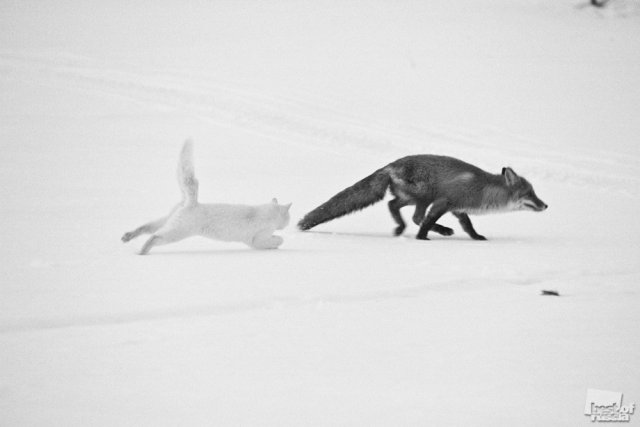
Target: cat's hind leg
column 162, row 238
column 148, row 228
column 151, row 242
column 266, row 240
column 173, row 231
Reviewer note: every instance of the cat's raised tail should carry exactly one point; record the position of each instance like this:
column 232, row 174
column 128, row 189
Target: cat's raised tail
column 186, row 175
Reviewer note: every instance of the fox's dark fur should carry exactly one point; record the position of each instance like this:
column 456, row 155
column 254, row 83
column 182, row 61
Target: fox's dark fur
column 435, row 185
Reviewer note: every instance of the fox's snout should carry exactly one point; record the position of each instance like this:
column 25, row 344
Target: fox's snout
column 542, row 207
column 535, row 204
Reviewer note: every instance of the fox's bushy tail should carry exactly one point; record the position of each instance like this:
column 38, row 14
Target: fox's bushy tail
column 360, row 195
column 186, row 175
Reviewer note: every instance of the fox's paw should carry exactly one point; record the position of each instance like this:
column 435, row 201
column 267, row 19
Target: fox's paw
column 421, row 237
column 305, row 224
column 478, row 237
column 441, row 229
column 398, row 230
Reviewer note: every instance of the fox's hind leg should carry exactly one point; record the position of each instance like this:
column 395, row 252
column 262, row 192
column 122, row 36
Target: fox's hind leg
column 421, row 209
column 465, row 222
column 148, row 228
column 418, row 217
column 438, row 208
column 441, row 229
column 394, row 208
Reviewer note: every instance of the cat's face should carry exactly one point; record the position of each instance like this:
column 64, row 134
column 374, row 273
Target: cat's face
column 283, row 214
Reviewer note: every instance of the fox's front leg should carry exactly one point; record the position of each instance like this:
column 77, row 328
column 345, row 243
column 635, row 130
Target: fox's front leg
column 266, row 240
column 148, row 228
column 465, row 222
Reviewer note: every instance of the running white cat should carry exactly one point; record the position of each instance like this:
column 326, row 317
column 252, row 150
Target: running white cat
column 253, row 225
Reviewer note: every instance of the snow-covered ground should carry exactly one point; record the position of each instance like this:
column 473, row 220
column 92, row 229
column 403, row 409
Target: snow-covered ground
column 344, row 325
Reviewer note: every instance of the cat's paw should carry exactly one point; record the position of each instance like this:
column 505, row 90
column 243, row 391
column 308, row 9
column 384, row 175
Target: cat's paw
column 127, row 236
column 271, row 242
column 274, row 242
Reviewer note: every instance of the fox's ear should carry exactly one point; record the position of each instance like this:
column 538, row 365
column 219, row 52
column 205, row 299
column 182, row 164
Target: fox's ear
column 510, row 176
column 287, row 207
column 274, row 201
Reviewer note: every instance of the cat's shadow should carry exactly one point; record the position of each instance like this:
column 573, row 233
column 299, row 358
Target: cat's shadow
column 224, row 252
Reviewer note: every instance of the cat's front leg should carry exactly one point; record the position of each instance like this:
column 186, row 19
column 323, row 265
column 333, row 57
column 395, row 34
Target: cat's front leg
column 266, row 240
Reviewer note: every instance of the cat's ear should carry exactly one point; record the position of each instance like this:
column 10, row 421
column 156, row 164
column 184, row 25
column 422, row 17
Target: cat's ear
column 274, row 201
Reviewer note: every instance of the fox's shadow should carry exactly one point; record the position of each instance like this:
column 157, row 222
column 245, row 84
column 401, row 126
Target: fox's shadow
column 351, row 234
column 412, row 236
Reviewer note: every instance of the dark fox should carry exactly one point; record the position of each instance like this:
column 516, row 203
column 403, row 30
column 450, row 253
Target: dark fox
column 435, row 185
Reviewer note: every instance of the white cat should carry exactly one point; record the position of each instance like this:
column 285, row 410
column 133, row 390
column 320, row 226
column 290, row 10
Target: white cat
column 253, row 225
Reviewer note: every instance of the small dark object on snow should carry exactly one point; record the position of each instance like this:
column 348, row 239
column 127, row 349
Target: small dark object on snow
column 554, row 293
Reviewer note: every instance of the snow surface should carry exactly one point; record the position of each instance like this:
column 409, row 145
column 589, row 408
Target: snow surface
column 344, row 325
